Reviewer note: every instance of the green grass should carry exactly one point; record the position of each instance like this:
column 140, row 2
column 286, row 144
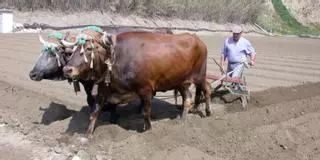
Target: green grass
column 290, row 25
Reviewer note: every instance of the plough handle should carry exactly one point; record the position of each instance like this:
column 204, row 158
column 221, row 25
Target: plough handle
column 215, row 61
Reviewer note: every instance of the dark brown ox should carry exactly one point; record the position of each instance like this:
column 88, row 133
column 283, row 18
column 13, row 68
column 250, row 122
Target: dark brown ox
column 142, row 63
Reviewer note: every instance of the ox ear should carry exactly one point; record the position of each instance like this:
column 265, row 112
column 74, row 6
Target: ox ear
column 108, row 39
column 113, row 39
column 66, row 35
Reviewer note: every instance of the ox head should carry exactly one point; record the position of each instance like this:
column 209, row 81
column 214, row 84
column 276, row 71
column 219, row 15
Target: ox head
column 90, row 51
column 51, row 60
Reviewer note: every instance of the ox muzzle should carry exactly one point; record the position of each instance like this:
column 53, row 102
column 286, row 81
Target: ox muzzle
column 35, row 76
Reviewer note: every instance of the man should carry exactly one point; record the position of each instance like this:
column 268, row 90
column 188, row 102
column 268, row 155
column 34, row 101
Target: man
column 235, row 50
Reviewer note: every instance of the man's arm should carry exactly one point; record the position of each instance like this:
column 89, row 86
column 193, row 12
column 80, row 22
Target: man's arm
column 223, row 57
column 222, row 62
column 253, row 58
column 251, row 52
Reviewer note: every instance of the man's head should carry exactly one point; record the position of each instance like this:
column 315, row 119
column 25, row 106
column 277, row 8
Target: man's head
column 236, row 33
column 51, row 60
column 89, row 52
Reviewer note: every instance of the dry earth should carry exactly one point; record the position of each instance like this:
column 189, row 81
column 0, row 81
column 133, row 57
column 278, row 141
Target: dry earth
column 46, row 120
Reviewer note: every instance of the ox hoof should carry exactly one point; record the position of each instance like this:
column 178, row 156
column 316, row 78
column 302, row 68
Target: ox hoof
column 147, row 127
column 183, row 116
column 84, row 141
column 144, row 129
column 193, row 110
column 183, row 120
column 89, row 136
column 197, row 111
column 201, row 114
column 208, row 113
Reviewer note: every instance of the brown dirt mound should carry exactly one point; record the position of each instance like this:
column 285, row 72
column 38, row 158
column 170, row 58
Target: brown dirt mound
column 269, row 96
column 281, row 123
column 283, row 94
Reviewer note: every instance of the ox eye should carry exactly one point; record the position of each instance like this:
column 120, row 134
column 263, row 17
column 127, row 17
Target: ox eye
column 68, row 54
column 52, row 54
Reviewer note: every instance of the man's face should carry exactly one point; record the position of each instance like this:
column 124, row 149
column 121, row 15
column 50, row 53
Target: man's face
column 236, row 36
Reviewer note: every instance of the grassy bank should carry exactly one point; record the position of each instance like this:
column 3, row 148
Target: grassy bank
column 235, row 11
column 289, row 24
column 221, row 12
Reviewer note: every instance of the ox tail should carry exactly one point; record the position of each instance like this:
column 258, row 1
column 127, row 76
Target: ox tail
column 201, row 82
column 203, row 70
column 176, row 96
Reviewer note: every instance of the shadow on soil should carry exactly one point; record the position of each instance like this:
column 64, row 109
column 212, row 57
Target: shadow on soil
column 129, row 118
column 55, row 112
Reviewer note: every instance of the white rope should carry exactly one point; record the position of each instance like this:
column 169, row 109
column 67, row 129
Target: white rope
column 87, row 37
column 92, row 55
column 50, row 45
column 108, row 62
column 91, row 63
column 58, row 59
column 74, row 48
column 84, row 55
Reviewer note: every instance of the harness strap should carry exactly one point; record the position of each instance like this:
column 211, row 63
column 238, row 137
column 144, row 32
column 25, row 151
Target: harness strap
column 76, row 86
column 58, row 59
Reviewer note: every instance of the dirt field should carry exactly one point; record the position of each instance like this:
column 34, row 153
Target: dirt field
column 46, row 120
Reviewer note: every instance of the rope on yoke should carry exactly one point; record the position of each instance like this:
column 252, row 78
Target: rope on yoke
column 51, row 47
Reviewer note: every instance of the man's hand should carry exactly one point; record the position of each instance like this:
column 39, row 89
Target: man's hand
column 252, row 63
column 222, row 70
column 252, row 59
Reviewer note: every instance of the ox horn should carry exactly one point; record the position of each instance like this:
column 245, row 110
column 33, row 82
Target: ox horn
column 68, row 44
column 103, row 38
column 41, row 39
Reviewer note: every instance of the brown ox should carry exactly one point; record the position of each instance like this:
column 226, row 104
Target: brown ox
column 142, row 63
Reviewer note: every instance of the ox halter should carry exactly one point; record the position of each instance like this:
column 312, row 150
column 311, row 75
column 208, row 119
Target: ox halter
column 81, row 40
column 106, row 39
column 52, row 47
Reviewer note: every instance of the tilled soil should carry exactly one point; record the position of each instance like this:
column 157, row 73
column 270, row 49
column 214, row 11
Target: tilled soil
column 46, row 120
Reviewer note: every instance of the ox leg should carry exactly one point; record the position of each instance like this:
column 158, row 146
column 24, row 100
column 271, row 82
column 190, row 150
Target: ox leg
column 114, row 116
column 183, row 96
column 139, row 111
column 99, row 102
column 176, row 96
column 147, row 100
column 90, row 99
column 197, row 99
column 206, row 88
column 142, row 103
column 186, row 99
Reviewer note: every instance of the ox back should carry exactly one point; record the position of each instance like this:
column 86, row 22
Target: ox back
column 155, row 62
column 145, row 63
